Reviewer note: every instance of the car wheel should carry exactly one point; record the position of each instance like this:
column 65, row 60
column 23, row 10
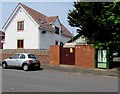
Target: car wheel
column 25, row 67
column 4, row 65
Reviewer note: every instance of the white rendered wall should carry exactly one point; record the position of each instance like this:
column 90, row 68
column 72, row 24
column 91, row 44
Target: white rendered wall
column 29, row 34
column 49, row 39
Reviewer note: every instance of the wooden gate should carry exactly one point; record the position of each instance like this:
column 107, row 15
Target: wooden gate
column 67, row 56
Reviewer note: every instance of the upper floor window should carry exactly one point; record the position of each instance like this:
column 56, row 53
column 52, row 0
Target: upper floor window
column 20, row 25
column 56, row 30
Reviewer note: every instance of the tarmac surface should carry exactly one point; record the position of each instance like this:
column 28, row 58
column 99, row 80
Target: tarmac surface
column 74, row 69
column 44, row 80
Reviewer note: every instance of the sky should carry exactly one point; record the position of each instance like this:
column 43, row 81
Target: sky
column 48, row 7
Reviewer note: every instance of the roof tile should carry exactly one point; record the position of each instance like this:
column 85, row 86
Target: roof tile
column 65, row 32
column 45, row 21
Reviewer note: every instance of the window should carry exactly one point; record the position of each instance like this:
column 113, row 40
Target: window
column 56, row 42
column 20, row 25
column 22, row 56
column 20, row 43
column 31, row 56
column 56, row 30
column 16, row 56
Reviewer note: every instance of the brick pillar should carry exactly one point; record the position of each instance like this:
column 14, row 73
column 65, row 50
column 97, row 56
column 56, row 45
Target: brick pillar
column 55, row 55
column 84, row 56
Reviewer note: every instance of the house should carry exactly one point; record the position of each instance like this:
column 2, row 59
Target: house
column 2, row 36
column 76, row 40
column 26, row 28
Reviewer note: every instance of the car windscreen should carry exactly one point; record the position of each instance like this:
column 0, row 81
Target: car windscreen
column 31, row 56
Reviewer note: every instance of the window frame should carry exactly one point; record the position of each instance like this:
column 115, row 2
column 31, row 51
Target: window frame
column 20, row 43
column 20, row 25
column 57, row 30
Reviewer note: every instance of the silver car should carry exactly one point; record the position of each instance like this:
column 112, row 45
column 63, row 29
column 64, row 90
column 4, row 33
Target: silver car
column 24, row 60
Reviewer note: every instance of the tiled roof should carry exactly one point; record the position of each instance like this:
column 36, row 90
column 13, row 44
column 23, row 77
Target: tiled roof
column 51, row 19
column 38, row 17
column 65, row 32
column 45, row 21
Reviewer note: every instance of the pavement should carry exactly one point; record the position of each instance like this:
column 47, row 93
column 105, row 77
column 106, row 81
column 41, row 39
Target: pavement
column 74, row 69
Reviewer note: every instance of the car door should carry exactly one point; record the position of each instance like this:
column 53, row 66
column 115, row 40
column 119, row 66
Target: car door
column 13, row 60
column 21, row 60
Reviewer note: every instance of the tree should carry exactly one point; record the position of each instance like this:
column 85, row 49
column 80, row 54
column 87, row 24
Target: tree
column 99, row 22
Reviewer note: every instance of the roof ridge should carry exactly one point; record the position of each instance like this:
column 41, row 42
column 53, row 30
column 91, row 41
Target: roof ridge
column 36, row 15
column 40, row 18
column 31, row 9
column 52, row 16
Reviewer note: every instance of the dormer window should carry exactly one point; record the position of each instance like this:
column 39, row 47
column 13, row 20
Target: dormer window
column 20, row 25
column 56, row 30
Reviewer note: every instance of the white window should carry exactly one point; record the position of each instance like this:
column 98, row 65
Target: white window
column 20, row 25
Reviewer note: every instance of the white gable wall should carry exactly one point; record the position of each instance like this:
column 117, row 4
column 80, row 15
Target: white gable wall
column 30, row 33
column 57, row 23
column 49, row 38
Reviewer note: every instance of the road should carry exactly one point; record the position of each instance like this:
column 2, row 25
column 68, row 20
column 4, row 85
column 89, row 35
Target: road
column 16, row 80
column 0, row 80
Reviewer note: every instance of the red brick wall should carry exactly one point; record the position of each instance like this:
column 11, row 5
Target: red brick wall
column 55, row 55
column 84, row 56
